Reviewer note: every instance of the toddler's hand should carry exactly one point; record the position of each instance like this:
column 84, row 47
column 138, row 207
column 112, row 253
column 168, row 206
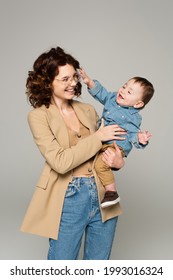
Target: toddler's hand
column 144, row 137
column 86, row 79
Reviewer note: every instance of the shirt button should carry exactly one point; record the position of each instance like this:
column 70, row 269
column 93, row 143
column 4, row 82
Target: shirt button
column 122, row 117
column 78, row 135
column 89, row 170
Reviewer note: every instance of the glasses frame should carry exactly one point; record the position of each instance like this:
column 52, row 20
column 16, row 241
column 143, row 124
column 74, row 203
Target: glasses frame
column 68, row 80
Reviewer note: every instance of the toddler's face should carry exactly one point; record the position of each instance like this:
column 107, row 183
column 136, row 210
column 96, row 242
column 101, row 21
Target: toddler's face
column 130, row 94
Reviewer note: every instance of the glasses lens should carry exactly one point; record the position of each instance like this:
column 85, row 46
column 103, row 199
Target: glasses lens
column 66, row 80
column 76, row 77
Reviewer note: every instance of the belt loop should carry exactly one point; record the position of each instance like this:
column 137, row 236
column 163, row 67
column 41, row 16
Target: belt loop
column 78, row 183
column 92, row 180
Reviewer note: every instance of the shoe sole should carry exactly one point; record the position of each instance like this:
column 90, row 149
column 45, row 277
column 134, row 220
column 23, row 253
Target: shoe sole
column 110, row 203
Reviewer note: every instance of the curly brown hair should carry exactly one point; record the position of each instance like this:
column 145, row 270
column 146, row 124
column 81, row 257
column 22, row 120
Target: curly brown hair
column 39, row 82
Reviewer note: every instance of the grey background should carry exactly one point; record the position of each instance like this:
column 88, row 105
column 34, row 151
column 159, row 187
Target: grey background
column 114, row 40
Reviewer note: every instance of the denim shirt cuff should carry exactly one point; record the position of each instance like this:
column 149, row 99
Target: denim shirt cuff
column 93, row 91
column 137, row 144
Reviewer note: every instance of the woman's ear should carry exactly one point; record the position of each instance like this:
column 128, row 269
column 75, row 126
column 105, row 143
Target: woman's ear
column 139, row 104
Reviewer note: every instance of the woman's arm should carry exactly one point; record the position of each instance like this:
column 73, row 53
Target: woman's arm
column 63, row 159
column 59, row 158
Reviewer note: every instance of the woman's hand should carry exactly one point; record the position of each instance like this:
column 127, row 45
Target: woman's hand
column 112, row 158
column 110, row 132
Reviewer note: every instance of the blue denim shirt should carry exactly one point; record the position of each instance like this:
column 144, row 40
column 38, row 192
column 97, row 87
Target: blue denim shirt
column 126, row 117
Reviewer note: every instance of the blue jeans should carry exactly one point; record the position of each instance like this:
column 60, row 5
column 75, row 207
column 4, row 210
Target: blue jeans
column 81, row 214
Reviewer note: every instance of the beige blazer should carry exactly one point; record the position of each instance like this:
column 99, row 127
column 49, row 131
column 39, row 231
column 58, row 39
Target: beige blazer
column 51, row 136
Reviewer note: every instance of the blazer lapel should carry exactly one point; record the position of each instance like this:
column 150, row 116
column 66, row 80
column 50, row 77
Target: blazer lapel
column 83, row 113
column 58, row 126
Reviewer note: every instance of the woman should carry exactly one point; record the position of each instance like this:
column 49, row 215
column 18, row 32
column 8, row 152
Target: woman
column 66, row 202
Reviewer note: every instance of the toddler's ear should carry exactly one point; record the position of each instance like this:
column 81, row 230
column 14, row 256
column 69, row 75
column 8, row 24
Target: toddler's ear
column 139, row 104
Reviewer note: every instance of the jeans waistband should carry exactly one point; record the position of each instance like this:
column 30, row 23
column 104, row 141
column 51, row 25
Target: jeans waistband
column 83, row 179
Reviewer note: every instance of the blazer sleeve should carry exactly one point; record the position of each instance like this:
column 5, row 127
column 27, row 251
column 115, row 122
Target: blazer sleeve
column 59, row 158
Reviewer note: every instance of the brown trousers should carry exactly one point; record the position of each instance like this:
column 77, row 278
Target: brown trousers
column 104, row 171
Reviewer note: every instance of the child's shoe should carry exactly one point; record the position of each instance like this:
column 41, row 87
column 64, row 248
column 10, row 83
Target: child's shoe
column 110, row 198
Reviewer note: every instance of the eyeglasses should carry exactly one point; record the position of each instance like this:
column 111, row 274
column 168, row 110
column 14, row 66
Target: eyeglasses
column 67, row 80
